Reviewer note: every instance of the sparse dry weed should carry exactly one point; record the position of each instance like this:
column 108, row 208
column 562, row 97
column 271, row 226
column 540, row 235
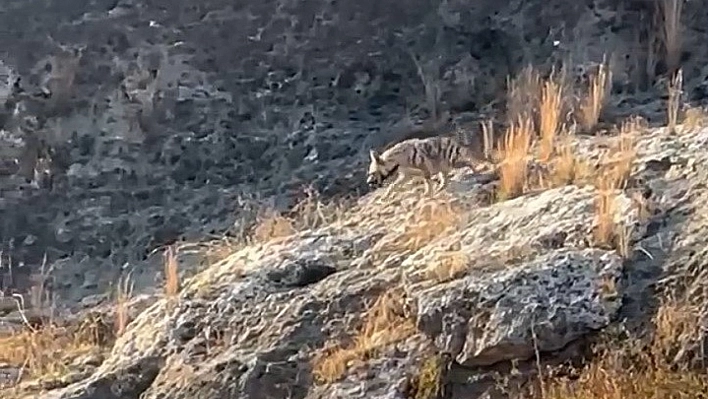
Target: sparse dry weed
column 385, row 323
column 312, row 213
column 171, row 270
column 271, row 225
column 447, row 266
column 695, row 118
column 428, row 221
column 658, row 369
column 124, row 291
column 675, row 88
column 214, row 250
column 593, row 102
column 513, row 157
column 47, row 352
column 427, row 383
column 613, row 177
column 523, row 95
column 550, row 117
column 44, row 348
column 309, row 213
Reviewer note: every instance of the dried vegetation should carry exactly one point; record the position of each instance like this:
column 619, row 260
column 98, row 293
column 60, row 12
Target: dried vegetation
column 385, row 323
column 664, row 365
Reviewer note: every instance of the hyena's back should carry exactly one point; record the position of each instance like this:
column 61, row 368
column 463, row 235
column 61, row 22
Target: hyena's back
column 434, row 154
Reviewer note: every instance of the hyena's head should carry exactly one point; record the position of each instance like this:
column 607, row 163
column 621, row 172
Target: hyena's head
column 379, row 169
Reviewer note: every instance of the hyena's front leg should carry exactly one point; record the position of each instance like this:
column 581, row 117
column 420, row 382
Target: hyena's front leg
column 400, row 180
column 443, row 181
column 429, row 190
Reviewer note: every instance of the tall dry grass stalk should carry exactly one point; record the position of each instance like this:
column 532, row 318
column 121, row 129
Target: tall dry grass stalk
column 124, row 291
column 671, row 32
column 624, row 152
column 487, row 137
column 551, row 109
column 513, row 157
column 171, row 271
column 523, row 95
column 605, row 209
column 613, row 177
column 565, row 163
column 675, row 88
column 592, row 104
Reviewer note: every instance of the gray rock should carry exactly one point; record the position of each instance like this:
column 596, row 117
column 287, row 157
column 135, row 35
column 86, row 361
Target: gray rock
column 539, row 306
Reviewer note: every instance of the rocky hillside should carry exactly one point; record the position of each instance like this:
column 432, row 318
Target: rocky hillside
column 427, row 298
column 236, row 136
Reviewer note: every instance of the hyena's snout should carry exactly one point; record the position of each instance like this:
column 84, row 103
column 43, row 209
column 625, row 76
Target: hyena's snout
column 373, row 181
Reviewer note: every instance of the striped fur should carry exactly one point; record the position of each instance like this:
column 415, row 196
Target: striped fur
column 422, row 158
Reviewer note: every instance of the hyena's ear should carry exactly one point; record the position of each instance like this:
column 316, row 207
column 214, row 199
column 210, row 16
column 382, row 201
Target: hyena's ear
column 375, row 156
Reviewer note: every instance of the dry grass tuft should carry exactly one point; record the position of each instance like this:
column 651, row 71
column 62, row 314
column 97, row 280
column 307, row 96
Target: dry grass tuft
column 47, row 352
column 309, row 213
column 124, row 291
column 695, row 118
column 171, row 271
column 45, row 349
column 624, row 151
column 551, row 110
column 613, row 176
column 671, row 32
column 675, row 89
column 523, row 95
column 312, row 213
column 428, row 221
column 658, row 369
column 513, row 157
column 605, row 207
column 422, row 227
column 271, row 225
column 567, row 167
column 487, row 137
column 593, row 102
column 448, row 266
column 384, row 324
column 427, row 383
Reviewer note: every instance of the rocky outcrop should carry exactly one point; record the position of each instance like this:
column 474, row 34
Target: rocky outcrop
column 481, row 284
column 542, row 306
